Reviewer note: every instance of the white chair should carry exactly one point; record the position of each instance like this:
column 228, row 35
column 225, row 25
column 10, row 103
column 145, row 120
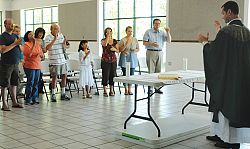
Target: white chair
column 73, row 67
column 97, row 73
column 46, row 75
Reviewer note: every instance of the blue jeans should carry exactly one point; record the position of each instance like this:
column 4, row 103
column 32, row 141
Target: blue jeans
column 31, row 91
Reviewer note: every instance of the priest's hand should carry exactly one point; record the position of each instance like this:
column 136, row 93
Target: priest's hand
column 202, row 38
column 217, row 25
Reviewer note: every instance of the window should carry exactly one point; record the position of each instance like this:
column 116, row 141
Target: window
column 1, row 22
column 118, row 14
column 40, row 17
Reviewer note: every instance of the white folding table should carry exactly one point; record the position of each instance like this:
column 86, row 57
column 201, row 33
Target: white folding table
column 152, row 80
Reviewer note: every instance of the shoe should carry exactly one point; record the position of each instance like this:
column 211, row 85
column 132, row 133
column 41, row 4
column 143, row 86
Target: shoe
column 17, row 106
column 36, row 101
column 83, row 96
column 105, row 94
column 111, row 94
column 126, row 94
column 29, row 103
column 53, row 98
column 130, row 93
column 158, row 91
column 5, row 109
column 89, row 96
column 227, row 145
column 214, row 138
column 65, row 97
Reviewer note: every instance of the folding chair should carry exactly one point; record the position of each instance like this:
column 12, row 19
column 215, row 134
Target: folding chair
column 73, row 67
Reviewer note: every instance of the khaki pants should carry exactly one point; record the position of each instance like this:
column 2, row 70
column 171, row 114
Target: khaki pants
column 153, row 59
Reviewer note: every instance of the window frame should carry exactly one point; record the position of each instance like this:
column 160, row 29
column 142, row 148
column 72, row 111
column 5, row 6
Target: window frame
column 134, row 18
column 42, row 23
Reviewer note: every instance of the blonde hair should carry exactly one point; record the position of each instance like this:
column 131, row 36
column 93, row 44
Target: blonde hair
column 16, row 26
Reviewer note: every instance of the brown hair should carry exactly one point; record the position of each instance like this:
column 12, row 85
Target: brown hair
column 106, row 30
column 128, row 27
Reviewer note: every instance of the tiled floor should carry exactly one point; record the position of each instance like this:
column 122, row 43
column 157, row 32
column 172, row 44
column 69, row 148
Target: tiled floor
column 90, row 123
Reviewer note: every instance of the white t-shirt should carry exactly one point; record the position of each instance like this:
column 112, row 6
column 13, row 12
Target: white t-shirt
column 55, row 53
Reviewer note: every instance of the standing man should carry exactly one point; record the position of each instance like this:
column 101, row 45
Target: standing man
column 227, row 71
column 55, row 44
column 10, row 51
column 153, row 40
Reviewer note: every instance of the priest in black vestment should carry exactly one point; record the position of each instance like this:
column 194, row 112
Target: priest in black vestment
column 227, row 71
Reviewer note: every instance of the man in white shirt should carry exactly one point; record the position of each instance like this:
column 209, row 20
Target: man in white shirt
column 55, row 44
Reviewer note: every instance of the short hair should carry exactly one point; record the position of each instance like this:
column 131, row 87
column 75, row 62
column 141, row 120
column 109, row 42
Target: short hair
column 39, row 30
column 26, row 36
column 128, row 27
column 106, row 30
column 7, row 19
column 16, row 26
column 156, row 20
column 80, row 44
column 232, row 5
column 53, row 25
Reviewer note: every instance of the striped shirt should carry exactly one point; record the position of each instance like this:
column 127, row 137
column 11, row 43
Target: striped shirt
column 55, row 53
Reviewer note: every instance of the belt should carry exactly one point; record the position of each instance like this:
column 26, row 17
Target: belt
column 154, row 49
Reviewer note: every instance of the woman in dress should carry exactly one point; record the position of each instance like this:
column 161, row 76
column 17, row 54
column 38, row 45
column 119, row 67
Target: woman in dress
column 86, row 77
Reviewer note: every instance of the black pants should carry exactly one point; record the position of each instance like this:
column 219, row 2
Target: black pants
column 108, row 73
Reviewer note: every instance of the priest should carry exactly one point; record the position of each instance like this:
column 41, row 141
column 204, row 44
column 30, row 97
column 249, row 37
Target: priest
column 227, row 72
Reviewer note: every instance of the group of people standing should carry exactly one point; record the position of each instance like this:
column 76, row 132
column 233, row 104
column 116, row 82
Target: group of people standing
column 30, row 54
column 128, row 47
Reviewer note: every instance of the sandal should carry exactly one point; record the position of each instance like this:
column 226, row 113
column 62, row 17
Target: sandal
column 130, row 93
column 17, row 106
column 105, row 94
column 126, row 93
column 5, row 109
column 111, row 94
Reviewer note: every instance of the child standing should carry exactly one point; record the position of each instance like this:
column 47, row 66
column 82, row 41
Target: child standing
column 86, row 77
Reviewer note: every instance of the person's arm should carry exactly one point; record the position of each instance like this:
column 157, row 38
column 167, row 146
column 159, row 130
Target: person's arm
column 169, row 38
column 146, row 41
column 4, row 48
column 217, row 26
column 87, row 52
column 137, row 46
column 122, row 47
column 115, row 48
column 80, row 56
column 48, row 46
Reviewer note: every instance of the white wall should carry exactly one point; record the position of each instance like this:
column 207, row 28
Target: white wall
column 176, row 51
column 24, row 4
column 4, row 5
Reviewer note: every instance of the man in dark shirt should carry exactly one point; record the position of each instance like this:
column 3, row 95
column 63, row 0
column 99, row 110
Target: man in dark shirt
column 9, row 48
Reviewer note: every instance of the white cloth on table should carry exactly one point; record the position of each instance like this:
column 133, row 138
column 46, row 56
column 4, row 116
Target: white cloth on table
column 229, row 134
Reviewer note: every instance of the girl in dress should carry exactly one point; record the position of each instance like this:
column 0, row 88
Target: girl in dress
column 86, row 77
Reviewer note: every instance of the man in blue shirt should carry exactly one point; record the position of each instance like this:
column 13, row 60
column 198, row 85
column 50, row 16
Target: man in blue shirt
column 10, row 57
column 153, row 40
